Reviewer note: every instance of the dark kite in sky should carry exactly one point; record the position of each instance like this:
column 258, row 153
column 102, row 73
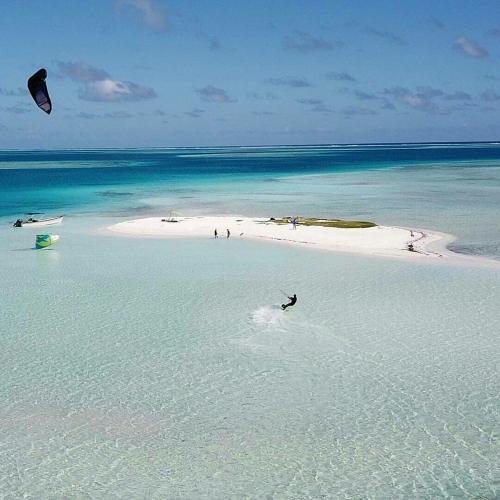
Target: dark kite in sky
column 38, row 90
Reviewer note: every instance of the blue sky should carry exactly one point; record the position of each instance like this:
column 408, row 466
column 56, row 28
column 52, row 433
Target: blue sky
column 132, row 73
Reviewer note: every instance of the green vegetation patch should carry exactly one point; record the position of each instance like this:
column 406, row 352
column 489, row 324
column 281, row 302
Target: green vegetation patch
column 312, row 221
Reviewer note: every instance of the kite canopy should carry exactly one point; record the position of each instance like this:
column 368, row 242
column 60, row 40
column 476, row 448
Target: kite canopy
column 45, row 240
column 38, row 90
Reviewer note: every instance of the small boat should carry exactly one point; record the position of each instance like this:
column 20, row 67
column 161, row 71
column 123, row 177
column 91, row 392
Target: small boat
column 38, row 222
column 172, row 217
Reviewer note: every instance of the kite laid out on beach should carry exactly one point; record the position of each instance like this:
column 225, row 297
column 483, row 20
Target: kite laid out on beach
column 38, row 90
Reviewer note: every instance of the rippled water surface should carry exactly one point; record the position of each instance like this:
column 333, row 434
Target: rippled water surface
column 165, row 369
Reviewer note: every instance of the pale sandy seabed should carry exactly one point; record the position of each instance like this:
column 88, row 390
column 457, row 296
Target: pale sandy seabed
column 156, row 363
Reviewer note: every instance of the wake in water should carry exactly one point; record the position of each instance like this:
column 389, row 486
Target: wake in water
column 270, row 317
column 287, row 334
column 277, row 332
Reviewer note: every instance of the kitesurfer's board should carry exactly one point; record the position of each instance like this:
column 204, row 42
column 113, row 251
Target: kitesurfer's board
column 46, row 240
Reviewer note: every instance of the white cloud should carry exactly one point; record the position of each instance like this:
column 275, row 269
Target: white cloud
column 365, row 96
column 421, row 99
column 267, row 96
column 346, row 77
column 152, row 14
column 93, row 116
column 115, row 91
column 99, row 86
column 214, row 94
column 289, row 82
column 386, row 35
column 430, row 100
column 305, row 42
column 458, row 95
column 469, row 47
column 310, row 101
column 490, row 95
column 194, row 113
column 353, row 111
column 415, row 101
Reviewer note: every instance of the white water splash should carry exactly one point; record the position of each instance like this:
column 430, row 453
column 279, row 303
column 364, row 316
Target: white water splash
column 269, row 316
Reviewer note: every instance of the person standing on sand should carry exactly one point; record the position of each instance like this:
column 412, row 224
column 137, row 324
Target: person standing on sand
column 215, row 233
column 294, row 223
column 228, row 233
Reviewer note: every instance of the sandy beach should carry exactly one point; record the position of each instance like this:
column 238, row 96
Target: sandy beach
column 376, row 241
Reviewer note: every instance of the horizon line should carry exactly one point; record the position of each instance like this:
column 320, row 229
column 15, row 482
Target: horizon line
column 329, row 144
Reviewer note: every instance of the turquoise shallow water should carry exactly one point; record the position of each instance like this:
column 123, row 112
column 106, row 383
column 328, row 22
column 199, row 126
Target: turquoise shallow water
column 453, row 188
column 165, row 369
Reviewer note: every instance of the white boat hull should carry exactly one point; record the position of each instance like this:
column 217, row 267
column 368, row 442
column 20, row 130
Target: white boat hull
column 44, row 222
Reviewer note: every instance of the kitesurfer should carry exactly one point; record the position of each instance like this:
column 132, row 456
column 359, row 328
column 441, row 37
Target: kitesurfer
column 293, row 299
column 215, row 233
column 228, row 233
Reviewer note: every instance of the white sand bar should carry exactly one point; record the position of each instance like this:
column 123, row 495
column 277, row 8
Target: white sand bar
column 384, row 241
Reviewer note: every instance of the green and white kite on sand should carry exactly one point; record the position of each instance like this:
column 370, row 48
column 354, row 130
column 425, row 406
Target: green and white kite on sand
column 46, row 240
